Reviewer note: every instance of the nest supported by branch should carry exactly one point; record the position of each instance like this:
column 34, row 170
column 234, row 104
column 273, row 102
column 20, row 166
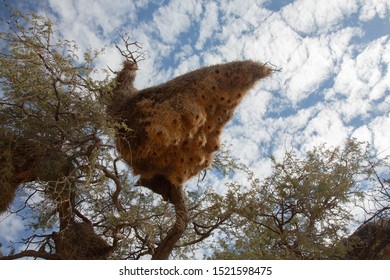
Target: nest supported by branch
column 23, row 161
column 172, row 130
column 169, row 133
column 80, row 242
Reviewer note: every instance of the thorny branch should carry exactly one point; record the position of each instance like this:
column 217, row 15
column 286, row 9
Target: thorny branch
column 133, row 51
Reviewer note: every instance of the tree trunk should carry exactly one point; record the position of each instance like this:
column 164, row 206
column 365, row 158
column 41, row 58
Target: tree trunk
column 166, row 246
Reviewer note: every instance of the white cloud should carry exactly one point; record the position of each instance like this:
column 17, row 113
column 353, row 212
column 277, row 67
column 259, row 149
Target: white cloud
column 321, row 16
column 87, row 20
column 315, row 66
column 372, row 8
column 369, row 66
column 380, row 128
column 66, row 10
column 208, row 24
column 175, row 18
column 10, row 226
column 352, row 107
column 187, row 64
column 326, row 127
column 306, row 62
column 241, row 9
column 246, row 132
column 363, row 133
column 262, row 168
column 384, row 106
column 362, row 80
column 340, row 41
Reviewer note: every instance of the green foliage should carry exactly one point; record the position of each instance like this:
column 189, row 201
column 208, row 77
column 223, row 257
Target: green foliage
column 48, row 108
column 54, row 134
column 303, row 210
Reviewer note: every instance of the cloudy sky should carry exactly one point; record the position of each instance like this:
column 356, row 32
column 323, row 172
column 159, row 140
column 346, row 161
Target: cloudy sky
column 334, row 55
column 335, row 81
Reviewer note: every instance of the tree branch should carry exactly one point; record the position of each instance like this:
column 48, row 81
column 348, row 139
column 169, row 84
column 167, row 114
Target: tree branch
column 166, row 246
column 134, row 55
column 204, row 235
column 115, row 195
column 31, row 254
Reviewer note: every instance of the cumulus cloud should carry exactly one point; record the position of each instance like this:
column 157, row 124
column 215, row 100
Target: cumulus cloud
column 315, row 66
column 320, row 16
column 372, row 8
column 175, row 18
column 361, row 75
column 363, row 133
column 208, row 24
column 326, row 127
column 90, row 23
column 363, row 81
column 381, row 133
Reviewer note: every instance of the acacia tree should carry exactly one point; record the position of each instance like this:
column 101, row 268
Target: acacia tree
column 58, row 158
column 52, row 136
column 57, row 152
column 304, row 209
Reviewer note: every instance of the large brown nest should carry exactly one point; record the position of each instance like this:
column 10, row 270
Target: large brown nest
column 78, row 241
column 23, row 161
column 170, row 131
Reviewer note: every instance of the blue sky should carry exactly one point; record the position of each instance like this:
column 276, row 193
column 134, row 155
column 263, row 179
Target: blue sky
column 335, row 56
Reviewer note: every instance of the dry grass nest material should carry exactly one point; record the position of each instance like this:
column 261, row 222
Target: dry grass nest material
column 80, row 242
column 173, row 129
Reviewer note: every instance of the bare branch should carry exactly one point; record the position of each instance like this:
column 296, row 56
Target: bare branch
column 132, row 50
column 31, row 254
column 273, row 67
